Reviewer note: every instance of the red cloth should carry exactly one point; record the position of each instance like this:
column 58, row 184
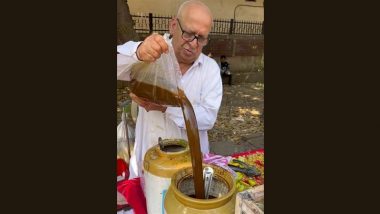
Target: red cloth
column 247, row 153
column 131, row 190
column 122, row 166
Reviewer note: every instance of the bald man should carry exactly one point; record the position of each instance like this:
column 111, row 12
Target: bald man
column 201, row 81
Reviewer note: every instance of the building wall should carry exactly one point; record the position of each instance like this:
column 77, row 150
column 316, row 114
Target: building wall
column 221, row 9
column 235, row 45
column 244, row 53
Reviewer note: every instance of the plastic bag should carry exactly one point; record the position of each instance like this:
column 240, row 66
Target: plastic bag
column 122, row 143
column 158, row 81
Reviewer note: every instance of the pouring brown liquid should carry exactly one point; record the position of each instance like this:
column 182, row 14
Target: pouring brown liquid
column 166, row 97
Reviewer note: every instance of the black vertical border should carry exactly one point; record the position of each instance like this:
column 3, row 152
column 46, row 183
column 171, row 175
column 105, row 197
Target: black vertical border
column 59, row 107
column 321, row 107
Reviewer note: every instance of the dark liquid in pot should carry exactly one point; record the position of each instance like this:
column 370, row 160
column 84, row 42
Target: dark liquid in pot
column 209, row 197
column 172, row 148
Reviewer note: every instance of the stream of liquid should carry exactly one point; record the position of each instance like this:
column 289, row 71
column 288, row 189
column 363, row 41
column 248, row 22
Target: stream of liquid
column 166, row 97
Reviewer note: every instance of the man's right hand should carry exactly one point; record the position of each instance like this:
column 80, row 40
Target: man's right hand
column 152, row 48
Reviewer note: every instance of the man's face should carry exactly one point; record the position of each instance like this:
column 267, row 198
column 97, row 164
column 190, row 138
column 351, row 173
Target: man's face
column 196, row 23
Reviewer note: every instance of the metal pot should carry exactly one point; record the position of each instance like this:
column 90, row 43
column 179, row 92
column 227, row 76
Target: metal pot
column 179, row 198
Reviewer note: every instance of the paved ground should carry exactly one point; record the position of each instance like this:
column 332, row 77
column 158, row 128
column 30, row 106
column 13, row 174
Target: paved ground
column 239, row 126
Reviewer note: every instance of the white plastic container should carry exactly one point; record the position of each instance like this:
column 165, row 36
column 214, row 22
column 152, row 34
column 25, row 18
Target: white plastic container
column 160, row 164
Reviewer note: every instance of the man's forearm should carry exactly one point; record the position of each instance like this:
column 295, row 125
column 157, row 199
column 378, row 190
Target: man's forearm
column 206, row 117
column 126, row 58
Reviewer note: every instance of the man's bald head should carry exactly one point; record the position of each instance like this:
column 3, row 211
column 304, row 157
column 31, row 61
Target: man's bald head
column 194, row 20
column 189, row 7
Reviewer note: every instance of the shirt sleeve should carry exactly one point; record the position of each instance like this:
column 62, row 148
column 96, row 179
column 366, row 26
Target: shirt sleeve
column 211, row 97
column 206, row 110
column 126, row 58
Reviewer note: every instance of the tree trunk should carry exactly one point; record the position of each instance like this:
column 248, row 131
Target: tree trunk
column 125, row 30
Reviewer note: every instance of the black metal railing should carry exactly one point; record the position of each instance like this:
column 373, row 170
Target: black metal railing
column 148, row 23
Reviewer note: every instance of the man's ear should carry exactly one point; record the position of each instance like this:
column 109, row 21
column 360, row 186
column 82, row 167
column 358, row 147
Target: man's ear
column 172, row 25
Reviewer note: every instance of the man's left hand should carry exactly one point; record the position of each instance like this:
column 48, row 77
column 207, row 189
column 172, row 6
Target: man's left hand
column 148, row 105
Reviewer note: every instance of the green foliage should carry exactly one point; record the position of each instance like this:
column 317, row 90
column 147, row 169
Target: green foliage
column 127, row 108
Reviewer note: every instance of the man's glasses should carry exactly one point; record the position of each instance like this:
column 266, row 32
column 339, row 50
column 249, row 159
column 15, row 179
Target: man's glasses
column 189, row 37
